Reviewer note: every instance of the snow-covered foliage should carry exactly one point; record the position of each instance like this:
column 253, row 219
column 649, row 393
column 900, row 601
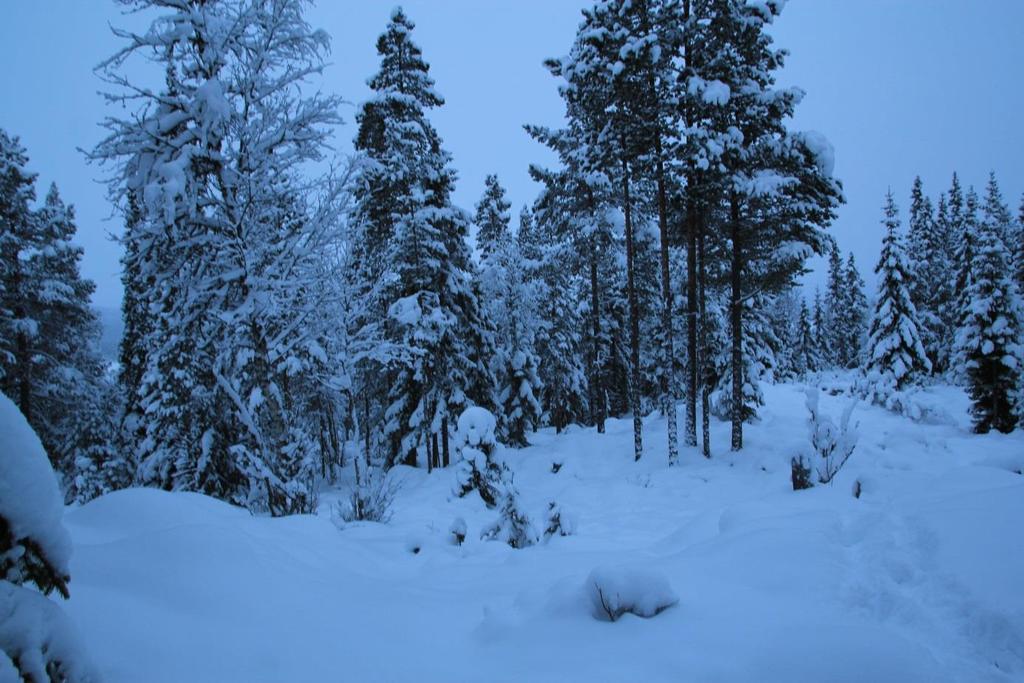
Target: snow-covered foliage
column 227, row 241
column 832, row 444
column 410, row 244
column 559, row 521
column 510, row 298
column 37, row 642
column 49, row 336
column 896, row 358
column 35, row 547
column 615, row 591
column 990, row 339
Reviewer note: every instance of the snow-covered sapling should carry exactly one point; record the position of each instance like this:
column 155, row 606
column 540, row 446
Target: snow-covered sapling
column 831, row 442
column 457, row 531
column 512, row 526
column 559, row 522
column 478, row 469
column 614, row 591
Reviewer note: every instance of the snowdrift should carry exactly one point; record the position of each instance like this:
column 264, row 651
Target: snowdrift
column 917, row 580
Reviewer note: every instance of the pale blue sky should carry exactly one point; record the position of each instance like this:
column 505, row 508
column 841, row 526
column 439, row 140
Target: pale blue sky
column 899, row 87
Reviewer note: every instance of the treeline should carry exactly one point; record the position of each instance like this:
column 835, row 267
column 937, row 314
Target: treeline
column 281, row 322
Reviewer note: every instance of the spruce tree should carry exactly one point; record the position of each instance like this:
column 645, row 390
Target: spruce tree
column 415, row 264
column 990, row 340
column 856, row 321
column 835, row 311
column 492, row 217
column 895, row 355
column 18, row 238
column 806, row 358
column 510, row 298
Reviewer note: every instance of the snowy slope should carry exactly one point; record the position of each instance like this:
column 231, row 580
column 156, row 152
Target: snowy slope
column 918, row 580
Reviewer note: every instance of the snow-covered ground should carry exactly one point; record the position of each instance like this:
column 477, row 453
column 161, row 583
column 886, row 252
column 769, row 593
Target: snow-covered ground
column 920, row 579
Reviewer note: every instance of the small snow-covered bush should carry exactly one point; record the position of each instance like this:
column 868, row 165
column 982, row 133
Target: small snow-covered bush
column 879, row 388
column 559, row 522
column 457, row 531
column 614, row 591
column 513, row 526
column 370, row 499
column 35, row 636
column 832, row 444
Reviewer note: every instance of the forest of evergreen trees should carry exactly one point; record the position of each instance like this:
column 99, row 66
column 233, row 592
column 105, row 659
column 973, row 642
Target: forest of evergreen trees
column 283, row 322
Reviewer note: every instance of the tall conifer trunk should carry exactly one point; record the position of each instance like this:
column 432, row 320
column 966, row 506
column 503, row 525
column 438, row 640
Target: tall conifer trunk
column 597, row 403
column 705, row 388
column 634, row 319
column 736, row 325
column 691, row 321
column 668, row 385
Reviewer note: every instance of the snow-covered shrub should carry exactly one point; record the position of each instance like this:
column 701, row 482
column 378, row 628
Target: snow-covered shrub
column 35, row 636
column 370, row 499
column 614, row 591
column 880, row 389
column 800, row 473
column 512, row 526
column 457, row 531
column 559, row 522
column 832, row 443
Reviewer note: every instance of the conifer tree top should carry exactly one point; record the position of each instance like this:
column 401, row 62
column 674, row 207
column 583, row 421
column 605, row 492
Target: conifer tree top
column 492, row 216
column 402, row 69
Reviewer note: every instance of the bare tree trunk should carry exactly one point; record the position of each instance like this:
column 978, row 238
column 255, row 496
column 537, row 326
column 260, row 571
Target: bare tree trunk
column 435, row 454
column 597, row 406
column 446, row 455
column 691, row 321
column 705, row 386
column 24, row 376
column 634, row 319
column 736, row 325
column 668, row 384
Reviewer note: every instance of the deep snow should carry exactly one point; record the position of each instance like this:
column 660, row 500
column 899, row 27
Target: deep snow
column 920, row 579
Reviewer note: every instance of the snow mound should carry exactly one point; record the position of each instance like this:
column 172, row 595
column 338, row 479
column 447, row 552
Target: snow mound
column 37, row 634
column 614, row 591
column 476, row 427
column 30, row 499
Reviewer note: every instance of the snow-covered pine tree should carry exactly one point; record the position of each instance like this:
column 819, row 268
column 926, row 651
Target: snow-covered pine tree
column 895, row 355
column 806, row 358
column 836, row 302
column 777, row 185
column 68, row 369
column 50, row 336
column 510, row 299
column 855, row 326
column 224, row 235
column 820, row 326
column 604, row 77
column 18, row 237
column 413, row 251
column 1017, row 246
column 492, row 217
column 560, row 325
column 924, row 254
column 572, row 212
column 990, row 341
